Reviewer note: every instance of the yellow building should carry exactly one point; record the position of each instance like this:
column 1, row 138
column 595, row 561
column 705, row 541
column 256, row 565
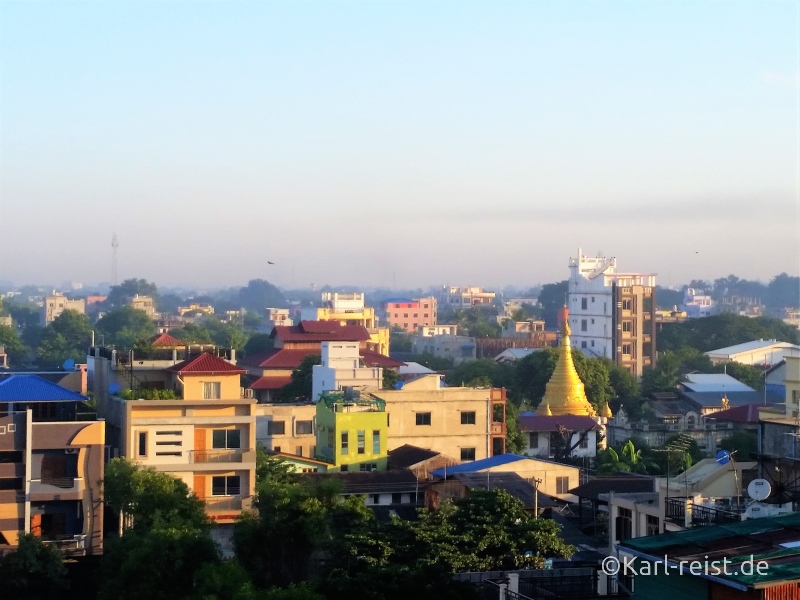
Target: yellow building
column 349, row 309
column 351, row 432
column 565, row 393
column 207, row 438
column 205, row 309
column 461, row 422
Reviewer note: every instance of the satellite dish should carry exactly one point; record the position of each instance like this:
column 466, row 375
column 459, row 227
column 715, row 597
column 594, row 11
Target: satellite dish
column 398, row 385
column 69, row 364
column 113, row 388
column 723, row 457
column 759, row 489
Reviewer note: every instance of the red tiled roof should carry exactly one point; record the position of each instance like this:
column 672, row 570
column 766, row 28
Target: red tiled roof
column 271, row 383
column 545, row 423
column 746, row 413
column 280, row 358
column 375, row 359
column 165, row 340
column 320, row 331
column 206, row 364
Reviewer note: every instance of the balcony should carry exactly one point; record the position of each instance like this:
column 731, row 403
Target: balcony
column 498, row 429
column 57, row 488
column 224, row 503
column 71, row 545
column 215, row 456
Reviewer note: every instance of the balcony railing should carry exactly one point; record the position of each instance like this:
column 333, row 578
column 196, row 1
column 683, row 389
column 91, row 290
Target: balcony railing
column 215, row 456
column 68, row 544
column 56, row 485
column 224, row 503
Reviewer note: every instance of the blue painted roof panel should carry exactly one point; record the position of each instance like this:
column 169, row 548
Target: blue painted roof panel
column 479, row 465
column 31, row 388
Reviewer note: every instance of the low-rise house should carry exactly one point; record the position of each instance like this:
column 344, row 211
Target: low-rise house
column 551, row 478
column 56, row 303
column 419, row 461
column 387, row 493
column 756, row 353
column 562, row 436
column 145, row 304
column 287, row 428
column 342, row 367
column 458, row 348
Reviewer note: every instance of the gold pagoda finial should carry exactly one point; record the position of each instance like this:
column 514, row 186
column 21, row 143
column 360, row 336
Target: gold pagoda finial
column 725, row 402
column 565, row 393
column 607, row 411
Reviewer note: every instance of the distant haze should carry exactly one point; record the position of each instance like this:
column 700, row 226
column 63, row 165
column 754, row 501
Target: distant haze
column 397, row 144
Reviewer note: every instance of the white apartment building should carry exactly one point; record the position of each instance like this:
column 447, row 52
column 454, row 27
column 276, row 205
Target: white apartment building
column 464, row 297
column 612, row 314
column 277, row 317
column 342, row 367
column 698, row 304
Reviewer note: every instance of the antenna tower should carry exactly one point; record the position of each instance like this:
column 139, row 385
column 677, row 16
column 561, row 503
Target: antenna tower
column 114, row 246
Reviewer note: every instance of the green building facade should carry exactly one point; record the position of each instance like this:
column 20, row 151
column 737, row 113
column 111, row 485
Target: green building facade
column 352, row 431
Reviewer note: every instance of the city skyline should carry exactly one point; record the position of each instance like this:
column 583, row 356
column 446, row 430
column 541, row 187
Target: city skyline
column 397, row 144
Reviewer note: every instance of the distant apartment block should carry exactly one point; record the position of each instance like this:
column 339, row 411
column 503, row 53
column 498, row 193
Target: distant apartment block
column 144, row 303
column 56, row 303
column 612, row 314
column 531, row 329
column 459, row 348
column 348, row 308
column 342, row 367
column 697, row 303
column 277, row 317
column 464, row 297
column 195, row 309
column 408, row 315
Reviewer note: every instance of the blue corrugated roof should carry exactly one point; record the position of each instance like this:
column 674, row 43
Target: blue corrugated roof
column 480, row 465
column 31, row 388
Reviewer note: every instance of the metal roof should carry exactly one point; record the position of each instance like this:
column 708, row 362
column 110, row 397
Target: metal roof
column 32, row 388
column 750, row 347
column 480, row 465
column 716, row 382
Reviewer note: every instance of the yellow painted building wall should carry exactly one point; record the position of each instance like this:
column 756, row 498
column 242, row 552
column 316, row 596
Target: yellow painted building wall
column 291, row 440
column 230, row 386
column 792, row 386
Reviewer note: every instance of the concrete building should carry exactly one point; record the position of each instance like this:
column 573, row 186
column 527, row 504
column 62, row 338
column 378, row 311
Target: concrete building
column 612, row 314
column 349, row 309
column 755, row 353
column 461, row 422
column 432, row 330
column 351, row 431
column 792, row 386
column 342, row 367
column 459, row 348
column 195, row 309
column 566, row 436
column 457, row 298
column 287, row 428
column 56, row 303
column 206, row 438
column 277, row 317
column 696, row 304
column 144, row 303
column 409, row 315
column 531, row 329
column 51, row 467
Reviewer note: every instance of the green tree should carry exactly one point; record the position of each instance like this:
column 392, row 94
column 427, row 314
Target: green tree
column 33, row 571
column 747, row 374
column 192, row 333
column 14, row 347
column 436, row 363
column 744, row 443
column 390, row 379
column 227, row 335
column 497, row 374
column 119, row 295
column 720, row 331
column 68, row 336
column 552, row 298
column 260, row 294
column 515, row 439
column 272, row 469
column 302, row 378
column 258, row 343
column 125, row 327
column 783, row 291
column 169, row 303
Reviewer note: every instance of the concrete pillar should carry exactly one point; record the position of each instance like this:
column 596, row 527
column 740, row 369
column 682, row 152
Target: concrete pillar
column 503, row 588
column 602, row 584
column 513, row 582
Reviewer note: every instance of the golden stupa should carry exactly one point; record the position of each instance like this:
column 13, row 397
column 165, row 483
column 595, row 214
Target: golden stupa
column 565, row 394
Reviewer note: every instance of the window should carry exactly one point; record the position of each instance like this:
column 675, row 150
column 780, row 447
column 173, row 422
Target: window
column 584, row 325
column 304, row 427
column 584, row 304
column 276, row 427
column 690, row 421
column 624, row 524
column 627, row 326
column 592, row 343
column 226, row 439
column 212, row 390
column 592, row 299
column 225, row 486
column 368, row 467
column 343, row 468
column 468, row 454
column 626, row 349
column 584, row 443
column 376, row 441
column 345, row 442
column 627, row 304
column 424, row 418
column 142, row 447
column 376, row 498
column 405, row 315
column 416, row 315
column 652, row 525
column 361, row 440
column 468, row 417
column 397, row 498
column 533, row 439
column 276, row 449
column 562, row 485
column 583, row 344
column 795, row 396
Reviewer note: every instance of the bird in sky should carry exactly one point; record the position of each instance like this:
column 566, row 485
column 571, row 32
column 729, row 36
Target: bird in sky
column 269, row 262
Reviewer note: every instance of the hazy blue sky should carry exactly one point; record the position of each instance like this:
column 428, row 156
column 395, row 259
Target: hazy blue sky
column 411, row 143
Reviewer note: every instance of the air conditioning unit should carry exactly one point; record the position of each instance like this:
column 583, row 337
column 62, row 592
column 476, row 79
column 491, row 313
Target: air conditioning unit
column 248, row 393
